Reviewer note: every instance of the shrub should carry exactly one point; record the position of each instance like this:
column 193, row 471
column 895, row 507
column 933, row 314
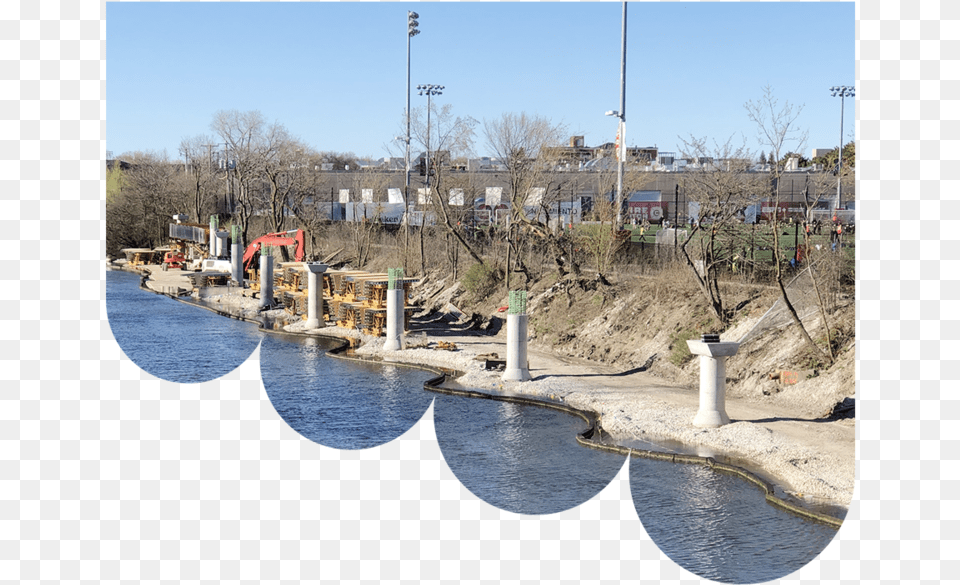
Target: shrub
column 679, row 350
column 481, row 280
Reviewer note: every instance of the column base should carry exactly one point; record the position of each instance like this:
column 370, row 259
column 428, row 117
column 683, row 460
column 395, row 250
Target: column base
column 710, row 419
column 516, row 375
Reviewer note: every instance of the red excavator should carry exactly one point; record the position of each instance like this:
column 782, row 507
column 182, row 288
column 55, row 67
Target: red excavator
column 278, row 239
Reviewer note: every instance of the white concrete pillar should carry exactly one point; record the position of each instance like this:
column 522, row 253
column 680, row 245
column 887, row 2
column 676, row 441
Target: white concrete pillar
column 222, row 243
column 314, row 293
column 516, row 369
column 236, row 262
column 213, row 237
column 713, row 376
column 266, row 280
column 395, row 304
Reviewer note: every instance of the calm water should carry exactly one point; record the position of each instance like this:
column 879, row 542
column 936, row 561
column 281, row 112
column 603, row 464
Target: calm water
column 340, row 403
column 519, row 458
column 172, row 340
column 718, row 526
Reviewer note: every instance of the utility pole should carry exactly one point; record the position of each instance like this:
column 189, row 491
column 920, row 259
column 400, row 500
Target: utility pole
column 621, row 146
column 623, row 118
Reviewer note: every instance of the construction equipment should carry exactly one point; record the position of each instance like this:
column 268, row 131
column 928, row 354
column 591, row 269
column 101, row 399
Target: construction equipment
column 276, row 239
column 173, row 259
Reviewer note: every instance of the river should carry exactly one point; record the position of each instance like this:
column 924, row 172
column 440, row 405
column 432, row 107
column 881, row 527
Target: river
column 520, row 458
column 171, row 340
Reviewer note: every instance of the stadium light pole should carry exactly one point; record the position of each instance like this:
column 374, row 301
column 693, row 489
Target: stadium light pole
column 429, row 90
column 842, row 91
column 412, row 31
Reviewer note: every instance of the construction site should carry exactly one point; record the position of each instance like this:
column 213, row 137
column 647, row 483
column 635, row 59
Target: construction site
column 197, row 264
column 618, row 348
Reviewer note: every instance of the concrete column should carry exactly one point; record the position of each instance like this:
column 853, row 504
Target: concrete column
column 266, row 281
column 516, row 369
column 713, row 376
column 213, row 236
column 222, row 243
column 395, row 303
column 314, row 293
column 236, row 262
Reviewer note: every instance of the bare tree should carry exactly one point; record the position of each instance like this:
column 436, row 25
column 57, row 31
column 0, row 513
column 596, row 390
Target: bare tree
column 451, row 136
column 522, row 142
column 720, row 185
column 243, row 133
column 139, row 210
column 776, row 128
column 365, row 210
column 601, row 239
column 285, row 163
column 200, row 177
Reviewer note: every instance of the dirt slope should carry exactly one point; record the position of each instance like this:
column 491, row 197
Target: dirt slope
column 644, row 321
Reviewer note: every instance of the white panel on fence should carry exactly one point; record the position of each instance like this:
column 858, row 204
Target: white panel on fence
column 423, row 196
column 535, row 196
column 394, row 196
column 456, row 196
column 494, row 195
column 344, row 195
column 366, row 195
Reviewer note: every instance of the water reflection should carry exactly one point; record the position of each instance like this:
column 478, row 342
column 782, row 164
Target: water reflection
column 523, row 459
column 718, row 526
column 173, row 340
column 340, row 403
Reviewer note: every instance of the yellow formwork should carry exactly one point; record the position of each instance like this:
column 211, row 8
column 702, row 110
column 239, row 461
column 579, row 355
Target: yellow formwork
column 356, row 299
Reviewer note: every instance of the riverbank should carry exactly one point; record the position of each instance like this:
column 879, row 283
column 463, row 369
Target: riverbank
column 812, row 460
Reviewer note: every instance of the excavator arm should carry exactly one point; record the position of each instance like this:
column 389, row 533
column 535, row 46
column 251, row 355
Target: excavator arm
column 276, row 239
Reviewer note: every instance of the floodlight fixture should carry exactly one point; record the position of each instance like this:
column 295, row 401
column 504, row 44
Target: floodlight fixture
column 412, row 24
column 842, row 91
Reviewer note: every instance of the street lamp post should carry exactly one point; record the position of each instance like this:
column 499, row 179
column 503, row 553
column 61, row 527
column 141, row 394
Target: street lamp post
column 842, row 91
column 429, row 90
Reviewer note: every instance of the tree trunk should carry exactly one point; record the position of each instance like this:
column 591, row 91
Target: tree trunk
column 783, row 291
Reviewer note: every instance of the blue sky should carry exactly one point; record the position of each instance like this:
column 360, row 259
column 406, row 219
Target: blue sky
column 335, row 73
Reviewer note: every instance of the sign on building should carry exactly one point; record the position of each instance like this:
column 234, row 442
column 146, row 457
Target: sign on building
column 646, row 205
column 788, row 210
